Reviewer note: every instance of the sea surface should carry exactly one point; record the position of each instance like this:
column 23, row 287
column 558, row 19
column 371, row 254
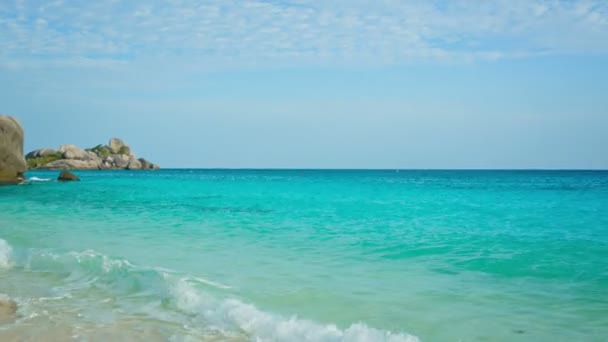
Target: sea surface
column 307, row 255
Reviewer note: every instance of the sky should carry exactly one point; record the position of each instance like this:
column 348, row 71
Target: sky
column 314, row 84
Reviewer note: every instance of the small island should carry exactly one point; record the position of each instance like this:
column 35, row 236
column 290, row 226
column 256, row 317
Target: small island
column 116, row 155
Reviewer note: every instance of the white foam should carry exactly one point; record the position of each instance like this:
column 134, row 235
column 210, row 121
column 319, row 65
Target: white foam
column 233, row 315
column 36, row 179
column 5, row 254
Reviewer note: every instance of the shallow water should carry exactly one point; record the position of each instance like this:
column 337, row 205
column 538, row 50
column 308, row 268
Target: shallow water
column 307, row 256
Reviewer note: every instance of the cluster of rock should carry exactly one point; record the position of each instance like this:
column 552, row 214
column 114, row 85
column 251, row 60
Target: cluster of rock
column 115, row 156
column 12, row 163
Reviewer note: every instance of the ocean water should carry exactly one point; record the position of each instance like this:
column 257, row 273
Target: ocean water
column 307, row 255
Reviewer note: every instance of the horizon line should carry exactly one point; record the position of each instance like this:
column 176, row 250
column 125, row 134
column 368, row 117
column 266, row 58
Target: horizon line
column 354, row 169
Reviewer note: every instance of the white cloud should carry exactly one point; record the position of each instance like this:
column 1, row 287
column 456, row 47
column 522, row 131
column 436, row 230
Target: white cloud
column 304, row 32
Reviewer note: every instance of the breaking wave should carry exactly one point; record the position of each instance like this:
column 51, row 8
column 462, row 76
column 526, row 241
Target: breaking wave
column 207, row 307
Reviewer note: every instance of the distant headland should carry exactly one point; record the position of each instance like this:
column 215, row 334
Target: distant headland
column 116, row 155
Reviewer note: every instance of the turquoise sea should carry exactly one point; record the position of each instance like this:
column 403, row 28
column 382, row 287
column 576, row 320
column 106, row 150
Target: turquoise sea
column 307, row 255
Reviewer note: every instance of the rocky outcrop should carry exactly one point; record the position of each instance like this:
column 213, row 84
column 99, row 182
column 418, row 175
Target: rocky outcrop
column 116, row 155
column 42, row 152
column 12, row 163
column 67, row 176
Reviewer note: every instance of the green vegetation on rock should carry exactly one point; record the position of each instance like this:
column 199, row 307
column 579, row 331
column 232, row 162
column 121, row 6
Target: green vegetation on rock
column 33, row 163
column 100, row 150
column 124, row 150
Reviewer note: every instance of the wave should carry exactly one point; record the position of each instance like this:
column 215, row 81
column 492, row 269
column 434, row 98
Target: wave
column 206, row 306
column 234, row 315
column 36, row 179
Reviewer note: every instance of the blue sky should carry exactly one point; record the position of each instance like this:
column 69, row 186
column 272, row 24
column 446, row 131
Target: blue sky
column 328, row 84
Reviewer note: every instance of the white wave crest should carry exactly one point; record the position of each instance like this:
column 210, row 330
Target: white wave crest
column 5, row 254
column 36, row 179
column 233, row 315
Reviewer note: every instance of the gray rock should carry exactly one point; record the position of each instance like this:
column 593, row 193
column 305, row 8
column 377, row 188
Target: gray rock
column 12, row 162
column 73, row 152
column 92, row 156
column 8, row 308
column 108, row 163
column 67, row 176
column 146, row 165
column 121, row 161
column 41, row 152
column 72, row 164
column 134, row 164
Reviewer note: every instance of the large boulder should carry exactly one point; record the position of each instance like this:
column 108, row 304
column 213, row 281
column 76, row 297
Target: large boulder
column 118, row 146
column 92, row 155
column 72, row 164
column 12, row 162
column 120, row 161
column 146, row 165
column 67, row 176
column 134, row 164
column 74, row 152
column 107, row 163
